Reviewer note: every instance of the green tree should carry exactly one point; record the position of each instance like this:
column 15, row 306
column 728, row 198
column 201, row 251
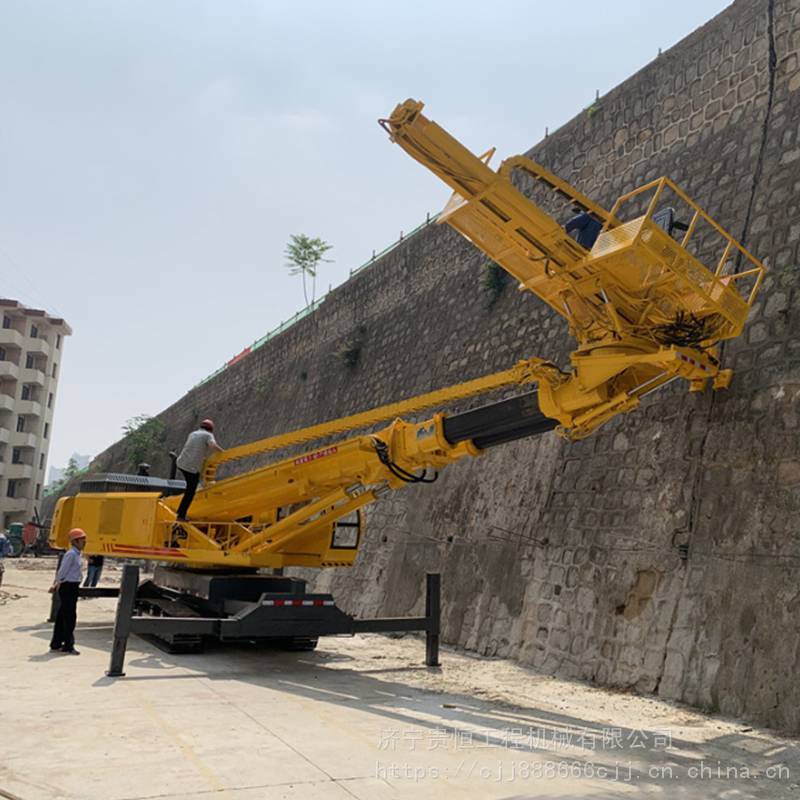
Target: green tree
column 303, row 257
column 143, row 434
column 71, row 470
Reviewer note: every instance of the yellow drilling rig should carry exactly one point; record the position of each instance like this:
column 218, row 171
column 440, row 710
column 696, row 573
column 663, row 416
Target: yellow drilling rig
column 649, row 289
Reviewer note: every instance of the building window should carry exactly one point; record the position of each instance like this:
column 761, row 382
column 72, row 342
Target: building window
column 41, row 461
column 6, row 321
column 2, row 354
column 11, row 491
column 29, row 362
column 58, row 341
column 46, row 429
column 20, row 424
column 50, row 400
column 55, row 367
column 16, row 456
column 34, row 332
column 26, row 392
column 38, row 489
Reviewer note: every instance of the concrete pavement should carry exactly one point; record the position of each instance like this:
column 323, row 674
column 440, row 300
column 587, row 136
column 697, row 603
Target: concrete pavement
column 358, row 718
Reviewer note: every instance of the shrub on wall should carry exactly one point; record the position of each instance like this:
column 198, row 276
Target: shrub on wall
column 350, row 352
column 495, row 279
column 143, row 435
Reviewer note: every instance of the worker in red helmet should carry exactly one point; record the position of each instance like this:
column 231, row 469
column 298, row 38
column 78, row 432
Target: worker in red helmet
column 200, row 444
column 68, row 579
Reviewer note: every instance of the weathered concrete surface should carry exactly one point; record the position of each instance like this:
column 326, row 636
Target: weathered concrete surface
column 568, row 557
column 359, row 718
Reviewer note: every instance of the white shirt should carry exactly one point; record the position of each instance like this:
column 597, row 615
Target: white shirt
column 199, row 446
column 70, row 570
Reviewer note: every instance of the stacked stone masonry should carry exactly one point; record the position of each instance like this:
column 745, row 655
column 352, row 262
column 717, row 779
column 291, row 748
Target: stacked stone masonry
column 663, row 553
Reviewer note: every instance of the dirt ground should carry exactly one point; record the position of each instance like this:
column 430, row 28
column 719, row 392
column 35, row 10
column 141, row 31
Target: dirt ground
column 358, row 718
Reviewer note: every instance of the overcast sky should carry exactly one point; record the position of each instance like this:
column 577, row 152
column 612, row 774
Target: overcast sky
column 156, row 156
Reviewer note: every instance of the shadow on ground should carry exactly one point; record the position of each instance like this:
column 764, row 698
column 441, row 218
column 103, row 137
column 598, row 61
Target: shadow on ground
column 729, row 766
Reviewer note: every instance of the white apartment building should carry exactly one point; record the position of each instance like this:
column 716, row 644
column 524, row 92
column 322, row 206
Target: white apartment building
column 31, row 345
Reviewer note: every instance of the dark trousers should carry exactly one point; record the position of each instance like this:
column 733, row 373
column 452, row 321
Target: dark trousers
column 192, row 479
column 64, row 630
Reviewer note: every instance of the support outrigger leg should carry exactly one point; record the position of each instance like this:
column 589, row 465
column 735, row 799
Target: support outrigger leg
column 433, row 615
column 122, row 622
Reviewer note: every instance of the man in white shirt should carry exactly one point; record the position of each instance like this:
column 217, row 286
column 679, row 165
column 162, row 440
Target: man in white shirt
column 200, row 444
column 68, row 579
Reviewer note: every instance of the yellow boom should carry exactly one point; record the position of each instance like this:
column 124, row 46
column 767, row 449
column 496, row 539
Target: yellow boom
column 299, row 511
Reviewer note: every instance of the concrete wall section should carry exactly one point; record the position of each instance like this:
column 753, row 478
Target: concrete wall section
column 663, row 552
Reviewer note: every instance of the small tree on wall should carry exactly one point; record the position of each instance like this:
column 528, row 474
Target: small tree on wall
column 143, row 434
column 303, row 257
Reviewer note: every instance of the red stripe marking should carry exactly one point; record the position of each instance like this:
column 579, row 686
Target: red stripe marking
column 139, row 547
column 318, row 602
column 138, row 550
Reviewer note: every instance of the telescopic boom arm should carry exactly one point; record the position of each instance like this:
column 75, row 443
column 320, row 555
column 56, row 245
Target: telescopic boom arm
column 303, row 510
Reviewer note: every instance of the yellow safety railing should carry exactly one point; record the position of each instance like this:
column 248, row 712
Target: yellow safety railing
column 657, row 187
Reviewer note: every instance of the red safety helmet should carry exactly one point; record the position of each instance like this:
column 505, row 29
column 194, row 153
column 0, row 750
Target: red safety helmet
column 208, row 424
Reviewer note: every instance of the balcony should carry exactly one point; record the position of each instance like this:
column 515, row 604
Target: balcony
column 27, row 408
column 32, row 375
column 6, row 402
column 8, row 370
column 19, row 471
column 8, row 336
column 38, row 347
column 14, row 504
column 23, row 439
column 5, row 435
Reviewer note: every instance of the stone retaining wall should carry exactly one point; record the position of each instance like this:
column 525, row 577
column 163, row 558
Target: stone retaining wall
column 663, row 552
